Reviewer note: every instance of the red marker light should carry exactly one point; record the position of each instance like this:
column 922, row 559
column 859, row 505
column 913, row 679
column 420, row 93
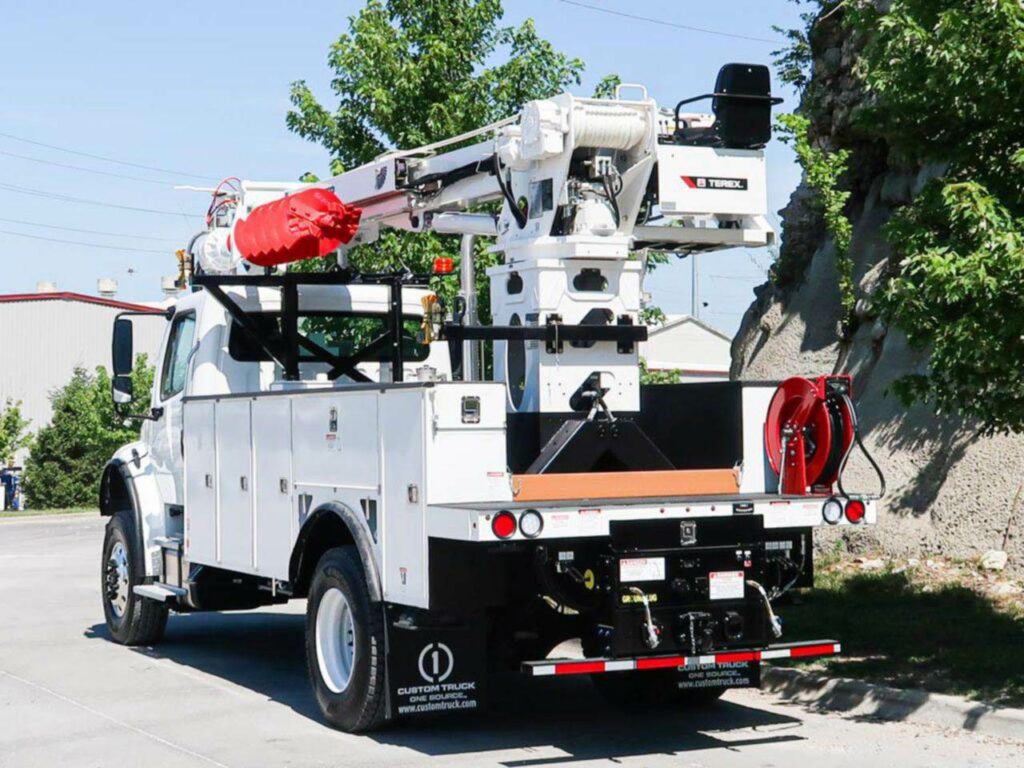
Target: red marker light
column 504, row 524
column 855, row 510
column 443, row 266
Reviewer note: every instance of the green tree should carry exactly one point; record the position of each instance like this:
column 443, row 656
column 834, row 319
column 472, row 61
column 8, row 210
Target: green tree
column 945, row 80
column 943, row 84
column 822, row 173
column 13, row 430
column 409, row 73
column 68, row 454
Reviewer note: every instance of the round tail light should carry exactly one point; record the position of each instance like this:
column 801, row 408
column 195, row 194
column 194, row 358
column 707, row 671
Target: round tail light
column 832, row 511
column 504, row 524
column 855, row 510
column 531, row 523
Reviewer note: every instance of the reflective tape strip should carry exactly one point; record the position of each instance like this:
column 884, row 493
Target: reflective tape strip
column 579, row 668
column 624, row 665
column 813, row 650
column 661, row 662
column 593, row 666
column 736, row 657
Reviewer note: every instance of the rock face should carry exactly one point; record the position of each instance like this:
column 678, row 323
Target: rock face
column 951, row 490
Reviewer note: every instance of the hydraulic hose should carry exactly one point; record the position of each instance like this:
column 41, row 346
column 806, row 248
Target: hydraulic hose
column 514, row 209
column 858, row 440
column 774, row 620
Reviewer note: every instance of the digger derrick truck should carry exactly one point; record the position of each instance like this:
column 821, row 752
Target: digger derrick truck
column 337, row 436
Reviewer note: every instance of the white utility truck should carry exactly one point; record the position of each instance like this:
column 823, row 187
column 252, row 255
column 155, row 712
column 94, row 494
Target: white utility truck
column 340, row 437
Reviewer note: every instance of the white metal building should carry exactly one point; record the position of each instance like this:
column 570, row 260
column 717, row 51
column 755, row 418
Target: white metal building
column 685, row 344
column 45, row 336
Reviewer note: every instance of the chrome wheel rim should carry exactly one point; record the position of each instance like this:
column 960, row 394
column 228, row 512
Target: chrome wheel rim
column 335, row 640
column 117, row 579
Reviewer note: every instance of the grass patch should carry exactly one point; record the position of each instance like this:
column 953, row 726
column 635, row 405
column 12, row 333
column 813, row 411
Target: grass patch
column 942, row 625
column 8, row 514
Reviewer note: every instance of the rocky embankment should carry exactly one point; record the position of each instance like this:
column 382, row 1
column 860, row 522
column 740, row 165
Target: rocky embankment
column 951, row 491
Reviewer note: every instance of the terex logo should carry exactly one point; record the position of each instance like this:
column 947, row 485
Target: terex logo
column 714, row 182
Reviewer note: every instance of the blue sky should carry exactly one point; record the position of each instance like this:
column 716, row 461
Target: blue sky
column 202, row 88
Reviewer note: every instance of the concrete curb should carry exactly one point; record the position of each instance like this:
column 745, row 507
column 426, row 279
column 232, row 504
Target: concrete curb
column 857, row 698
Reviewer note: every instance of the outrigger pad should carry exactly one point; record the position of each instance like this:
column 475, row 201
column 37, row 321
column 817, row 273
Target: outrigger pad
column 599, row 446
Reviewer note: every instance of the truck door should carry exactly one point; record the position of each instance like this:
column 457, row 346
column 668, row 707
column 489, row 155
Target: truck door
column 166, row 445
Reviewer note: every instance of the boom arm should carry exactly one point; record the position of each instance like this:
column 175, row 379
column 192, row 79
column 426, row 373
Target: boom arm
column 583, row 183
column 559, row 156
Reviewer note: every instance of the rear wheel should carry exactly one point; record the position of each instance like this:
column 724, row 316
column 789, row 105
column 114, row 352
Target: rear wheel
column 131, row 619
column 345, row 643
column 651, row 688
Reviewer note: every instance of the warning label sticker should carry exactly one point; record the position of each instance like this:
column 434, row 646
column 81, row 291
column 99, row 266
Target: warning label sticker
column 725, row 585
column 642, row 569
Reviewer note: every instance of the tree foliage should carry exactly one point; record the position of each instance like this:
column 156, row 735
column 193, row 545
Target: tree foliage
column 945, row 80
column 659, row 376
column 68, row 454
column 944, row 89
column 13, row 430
column 409, row 73
column 823, row 170
column 959, row 290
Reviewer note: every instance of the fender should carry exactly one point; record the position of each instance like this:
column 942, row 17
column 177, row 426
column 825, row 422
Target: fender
column 111, row 500
column 302, row 565
column 130, row 465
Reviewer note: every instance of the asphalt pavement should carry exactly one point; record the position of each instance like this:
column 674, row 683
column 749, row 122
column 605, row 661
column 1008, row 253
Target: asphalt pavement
column 230, row 690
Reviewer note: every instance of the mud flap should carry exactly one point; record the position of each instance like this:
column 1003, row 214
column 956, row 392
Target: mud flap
column 434, row 668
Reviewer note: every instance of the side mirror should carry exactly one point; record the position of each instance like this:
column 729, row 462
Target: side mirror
column 121, row 349
column 121, row 389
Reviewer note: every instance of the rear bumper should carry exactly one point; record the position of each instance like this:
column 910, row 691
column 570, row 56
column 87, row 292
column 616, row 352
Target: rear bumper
column 801, row 650
column 593, row 518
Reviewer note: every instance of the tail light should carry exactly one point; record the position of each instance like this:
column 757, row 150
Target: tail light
column 832, row 511
column 855, row 510
column 531, row 523
column 504, row 524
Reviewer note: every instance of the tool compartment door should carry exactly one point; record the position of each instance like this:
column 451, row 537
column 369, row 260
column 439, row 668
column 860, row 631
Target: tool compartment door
column 234, row 485
column 272, row 484
column 402, row 426
column 200, row 482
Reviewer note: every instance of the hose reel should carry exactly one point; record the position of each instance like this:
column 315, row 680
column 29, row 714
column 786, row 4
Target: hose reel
column 809, row 432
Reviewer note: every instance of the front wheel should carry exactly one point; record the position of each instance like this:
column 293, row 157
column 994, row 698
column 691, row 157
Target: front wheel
column 131, row 619
column 345, row 643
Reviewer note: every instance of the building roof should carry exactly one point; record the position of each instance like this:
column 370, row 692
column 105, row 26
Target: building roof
column 10, row 298
column 673, row 320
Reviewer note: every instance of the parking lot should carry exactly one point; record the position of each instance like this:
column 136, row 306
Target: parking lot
column 231, row 690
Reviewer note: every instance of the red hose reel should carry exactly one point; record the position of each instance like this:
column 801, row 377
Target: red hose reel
column 808, row 432
column 305, row 225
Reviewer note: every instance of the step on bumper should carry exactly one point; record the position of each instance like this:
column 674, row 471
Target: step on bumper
column 802, row 650
column 160, row 592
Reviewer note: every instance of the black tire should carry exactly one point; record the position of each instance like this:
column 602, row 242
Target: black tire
column 359, row 705
column 135, row 620
column 649, row 689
